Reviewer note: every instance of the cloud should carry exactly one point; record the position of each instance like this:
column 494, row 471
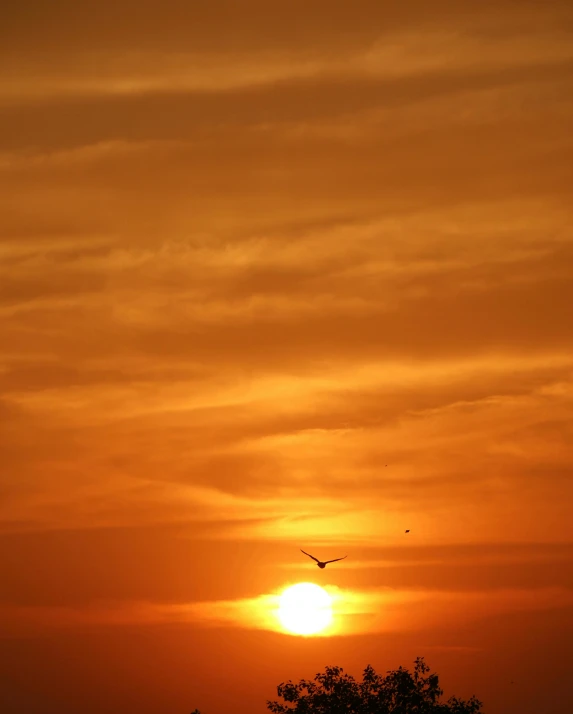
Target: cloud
column 283, row 275
column 321, row 296
column 393, row 56
column 354, row 612
column 228, row 449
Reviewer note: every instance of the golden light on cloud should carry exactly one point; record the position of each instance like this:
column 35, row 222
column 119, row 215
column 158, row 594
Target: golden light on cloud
column 305, row 609
column 266, row 284
column 301, row 609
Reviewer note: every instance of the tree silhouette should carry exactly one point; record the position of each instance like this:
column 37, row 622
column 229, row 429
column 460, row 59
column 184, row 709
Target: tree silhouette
column 399, row 692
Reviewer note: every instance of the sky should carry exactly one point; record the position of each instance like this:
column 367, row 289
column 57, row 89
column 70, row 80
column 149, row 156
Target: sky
column 277, row 276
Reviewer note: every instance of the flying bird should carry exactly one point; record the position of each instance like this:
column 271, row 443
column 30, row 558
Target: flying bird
column 407, row 531
column 320, row 563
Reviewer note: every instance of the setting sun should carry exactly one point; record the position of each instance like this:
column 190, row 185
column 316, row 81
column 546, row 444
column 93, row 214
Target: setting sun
column 305, row 609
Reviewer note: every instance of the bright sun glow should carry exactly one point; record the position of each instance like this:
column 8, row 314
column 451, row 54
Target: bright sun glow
column 305, row 609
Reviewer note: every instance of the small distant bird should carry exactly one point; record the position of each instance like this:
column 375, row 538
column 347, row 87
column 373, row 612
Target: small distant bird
column 319, row 562
column 407, row 531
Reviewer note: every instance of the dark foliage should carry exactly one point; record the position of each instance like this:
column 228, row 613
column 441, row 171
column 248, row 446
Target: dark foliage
column 398, row 692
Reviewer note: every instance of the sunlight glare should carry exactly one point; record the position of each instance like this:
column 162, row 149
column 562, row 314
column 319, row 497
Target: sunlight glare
column 305, row 609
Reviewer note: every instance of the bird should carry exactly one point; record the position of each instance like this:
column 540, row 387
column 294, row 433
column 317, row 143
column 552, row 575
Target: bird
column 320, row 563
column 407, row 531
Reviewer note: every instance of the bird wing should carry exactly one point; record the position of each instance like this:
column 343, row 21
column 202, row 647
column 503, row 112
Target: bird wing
column 309, row 555
column 335, row 560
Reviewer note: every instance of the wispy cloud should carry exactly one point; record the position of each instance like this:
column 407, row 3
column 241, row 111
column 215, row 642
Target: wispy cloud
column 298, row 289
column 354, row 612
column 398, row 55
column 283, row 275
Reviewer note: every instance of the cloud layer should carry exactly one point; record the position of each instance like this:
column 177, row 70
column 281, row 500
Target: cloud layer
column 285, row 276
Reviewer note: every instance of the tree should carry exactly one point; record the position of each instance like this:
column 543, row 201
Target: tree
column 399, row 692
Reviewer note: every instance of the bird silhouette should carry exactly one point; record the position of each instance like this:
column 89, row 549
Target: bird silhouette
column 407, row 531
column 320, row 563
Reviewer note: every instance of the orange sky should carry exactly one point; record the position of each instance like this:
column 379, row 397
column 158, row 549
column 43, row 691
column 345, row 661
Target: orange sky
column 278, row 275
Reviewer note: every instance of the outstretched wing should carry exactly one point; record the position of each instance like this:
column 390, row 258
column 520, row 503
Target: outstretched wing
column 335, row 560
column 309, row 555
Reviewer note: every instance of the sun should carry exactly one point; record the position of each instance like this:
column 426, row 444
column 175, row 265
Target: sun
column 305, row 609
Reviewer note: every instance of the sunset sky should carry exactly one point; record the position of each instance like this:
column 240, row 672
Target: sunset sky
column 282, row 274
